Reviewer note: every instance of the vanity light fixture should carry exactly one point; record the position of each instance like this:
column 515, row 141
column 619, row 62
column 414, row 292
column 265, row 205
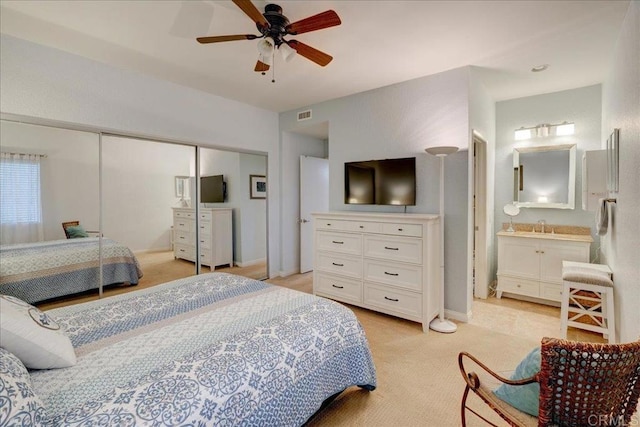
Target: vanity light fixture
column 545, row 129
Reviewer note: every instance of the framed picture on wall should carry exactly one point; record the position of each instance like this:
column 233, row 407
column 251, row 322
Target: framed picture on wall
column 258, row 186
column 613, row 161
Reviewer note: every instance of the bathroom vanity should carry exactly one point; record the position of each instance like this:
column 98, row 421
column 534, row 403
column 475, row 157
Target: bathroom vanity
column 530, row 263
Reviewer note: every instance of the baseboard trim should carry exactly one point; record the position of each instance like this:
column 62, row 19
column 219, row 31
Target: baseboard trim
column 456, row 315
column 151, row 251
column 250, row 263
column 287, row 273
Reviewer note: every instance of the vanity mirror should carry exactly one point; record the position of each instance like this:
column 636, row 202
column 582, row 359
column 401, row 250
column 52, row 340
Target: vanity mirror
column 544, row 177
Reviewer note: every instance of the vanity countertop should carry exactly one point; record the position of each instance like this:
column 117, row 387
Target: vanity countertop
column 548, row 236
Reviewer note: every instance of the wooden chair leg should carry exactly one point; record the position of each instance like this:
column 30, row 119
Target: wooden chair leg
column 463, row 407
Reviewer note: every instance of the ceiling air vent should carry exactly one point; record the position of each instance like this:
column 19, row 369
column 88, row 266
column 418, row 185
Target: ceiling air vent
column 304, row 115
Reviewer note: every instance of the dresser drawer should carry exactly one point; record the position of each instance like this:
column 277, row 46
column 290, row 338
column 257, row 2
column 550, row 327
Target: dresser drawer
column 205, row 216
column 347, row 290
column 184, row 215
column 345, row 243
column 386, row 298
column 363, row 226
column 330, row 224
column 347, row 265
column 414, row 230
column 180, row 224
column 183, row 237
column 205, row 229
column 551, row 291
column 205, row 257
column 184, row 252
column 518, row 286
column 406, row 249
column 403, row 275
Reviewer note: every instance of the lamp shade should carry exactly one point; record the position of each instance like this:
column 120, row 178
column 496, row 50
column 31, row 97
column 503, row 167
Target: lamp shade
column 441, row 151
column 288, row 53
column 266, row 46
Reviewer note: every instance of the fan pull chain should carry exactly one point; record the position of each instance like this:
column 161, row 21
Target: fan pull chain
column 273, row 69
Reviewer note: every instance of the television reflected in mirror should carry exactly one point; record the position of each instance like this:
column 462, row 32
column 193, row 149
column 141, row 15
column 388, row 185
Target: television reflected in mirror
column 213, row 189
column 381, row 182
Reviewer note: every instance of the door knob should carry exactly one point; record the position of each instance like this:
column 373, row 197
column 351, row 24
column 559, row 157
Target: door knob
column 302, row 221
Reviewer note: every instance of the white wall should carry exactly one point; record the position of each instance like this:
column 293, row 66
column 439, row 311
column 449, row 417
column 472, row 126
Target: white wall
column 621, row 109
column 401, row 121
column 41, row 82
column 68, row 174
column 581, row 106
column 293, row 146
column 139, row 190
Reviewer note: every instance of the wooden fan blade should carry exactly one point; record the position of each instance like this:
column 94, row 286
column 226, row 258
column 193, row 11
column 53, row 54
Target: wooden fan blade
column 261, row 67
column 316, row 22
column 310, row 53
column 252, row 12
column 218, row 39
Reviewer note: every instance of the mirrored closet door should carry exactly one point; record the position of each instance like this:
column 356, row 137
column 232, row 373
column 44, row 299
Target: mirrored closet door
column 49, row 180
column 141, row 193
column 233, row 212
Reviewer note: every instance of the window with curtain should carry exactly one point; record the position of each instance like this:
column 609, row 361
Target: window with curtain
column 20, row 205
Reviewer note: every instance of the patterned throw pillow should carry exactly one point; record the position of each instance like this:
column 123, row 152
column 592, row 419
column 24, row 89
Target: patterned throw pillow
column 525, row 398
column 19, row 406
column 34, row 337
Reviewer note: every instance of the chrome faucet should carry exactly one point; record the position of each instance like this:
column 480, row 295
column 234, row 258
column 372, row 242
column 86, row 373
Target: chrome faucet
column 541, row 224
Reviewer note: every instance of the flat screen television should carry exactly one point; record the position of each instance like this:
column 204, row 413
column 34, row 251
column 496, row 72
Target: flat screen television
column 380, row 182
column 213, row 189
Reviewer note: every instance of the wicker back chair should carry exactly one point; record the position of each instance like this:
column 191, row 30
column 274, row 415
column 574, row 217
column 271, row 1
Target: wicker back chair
column 581, row 384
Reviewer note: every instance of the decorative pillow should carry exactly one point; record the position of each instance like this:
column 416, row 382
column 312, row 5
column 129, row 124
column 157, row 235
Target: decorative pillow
column 33, row 336
column 19, row 405
column 525, row 398
column 75, row 231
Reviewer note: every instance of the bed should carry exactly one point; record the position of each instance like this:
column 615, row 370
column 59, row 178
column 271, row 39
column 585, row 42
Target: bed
column 213, row 349
column 40, row 271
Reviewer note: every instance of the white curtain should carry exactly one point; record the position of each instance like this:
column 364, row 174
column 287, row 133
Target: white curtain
column 20, row 206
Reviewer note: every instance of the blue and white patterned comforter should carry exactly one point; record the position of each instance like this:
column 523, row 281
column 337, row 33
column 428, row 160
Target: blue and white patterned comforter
column 36, row 272
column 213, row 349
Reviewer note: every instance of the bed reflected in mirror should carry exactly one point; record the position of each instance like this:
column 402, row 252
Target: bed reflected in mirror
column 48, row 176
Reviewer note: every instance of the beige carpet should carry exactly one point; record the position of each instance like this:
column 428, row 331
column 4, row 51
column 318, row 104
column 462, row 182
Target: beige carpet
column 419, row 383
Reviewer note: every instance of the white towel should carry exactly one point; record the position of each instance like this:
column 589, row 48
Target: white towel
column 602, row 217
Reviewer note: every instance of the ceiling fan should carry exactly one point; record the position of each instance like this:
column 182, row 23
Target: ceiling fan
column 273, row 27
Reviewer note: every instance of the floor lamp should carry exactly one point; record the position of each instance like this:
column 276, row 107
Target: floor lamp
column 440, row 324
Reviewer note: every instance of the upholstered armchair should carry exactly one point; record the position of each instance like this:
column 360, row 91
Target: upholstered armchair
column 580, row 384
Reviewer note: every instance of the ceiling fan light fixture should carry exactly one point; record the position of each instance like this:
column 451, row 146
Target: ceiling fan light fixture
column 287, row 52
column 266, row 59
column 266, row 46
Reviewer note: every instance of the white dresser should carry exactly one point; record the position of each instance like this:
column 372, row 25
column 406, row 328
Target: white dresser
column 530, row 264
column 383, row 262
column 215, row 235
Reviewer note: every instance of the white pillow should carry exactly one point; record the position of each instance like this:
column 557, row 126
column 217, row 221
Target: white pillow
column 34, row 337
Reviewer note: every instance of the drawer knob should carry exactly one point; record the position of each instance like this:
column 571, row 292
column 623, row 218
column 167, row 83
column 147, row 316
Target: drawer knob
column 390, row 274
column 362, row 226
column 339, row 287
column 391, row 299
column 519, row 286
column 338, row 265
column 328, row 224
column 399, row 229
column 337, row 243
column 391, row 249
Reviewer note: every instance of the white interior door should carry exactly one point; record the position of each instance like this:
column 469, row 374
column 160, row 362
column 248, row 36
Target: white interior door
column 314, row 197
column 481, row 259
